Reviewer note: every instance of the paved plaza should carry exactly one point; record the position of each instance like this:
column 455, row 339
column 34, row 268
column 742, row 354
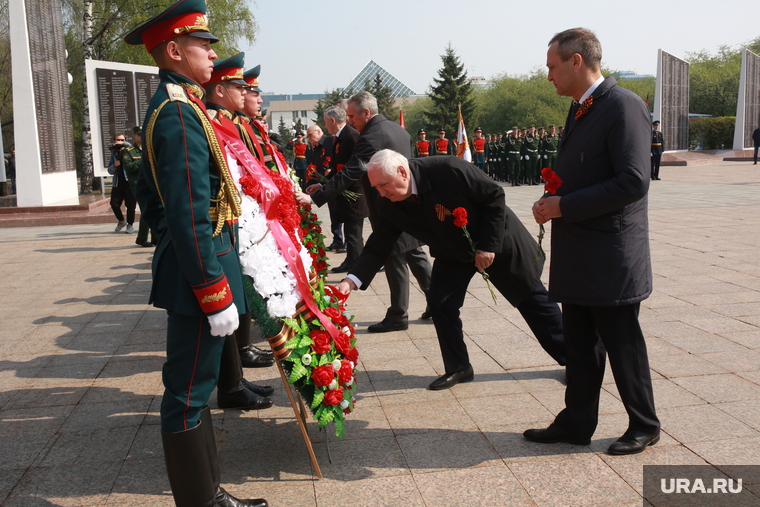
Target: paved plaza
column 81, row 355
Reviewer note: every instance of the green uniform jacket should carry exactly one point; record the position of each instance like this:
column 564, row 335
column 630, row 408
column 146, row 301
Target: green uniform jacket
column 193, row 272
column 131, row 159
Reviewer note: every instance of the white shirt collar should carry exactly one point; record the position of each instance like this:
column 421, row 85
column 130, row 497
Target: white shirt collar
column 414, row 183
column 591, row 89
column 337, row 134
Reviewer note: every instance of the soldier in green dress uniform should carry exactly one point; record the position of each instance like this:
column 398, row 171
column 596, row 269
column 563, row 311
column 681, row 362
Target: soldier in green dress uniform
column 188, row 197
column 530, row 156
column 131, row 160
column 514, row 155
column 549, row 146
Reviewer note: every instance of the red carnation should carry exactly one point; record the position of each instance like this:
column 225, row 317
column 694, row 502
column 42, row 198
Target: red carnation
column 321, row 339
column 460, row 217
column 334, row 396
column 553, row 182
column 346, row 373
column 323, row 375
column 339, row 167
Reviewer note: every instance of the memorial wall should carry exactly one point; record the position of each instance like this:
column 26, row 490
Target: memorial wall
column 119, row 97
column 672, row 101
column 748, row 103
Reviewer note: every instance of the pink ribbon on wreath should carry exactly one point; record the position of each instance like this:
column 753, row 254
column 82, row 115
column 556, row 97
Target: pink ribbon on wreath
column 269, row 198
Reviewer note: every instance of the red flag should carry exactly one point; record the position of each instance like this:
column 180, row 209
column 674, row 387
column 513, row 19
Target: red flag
column 647, row 100
column 401, row 119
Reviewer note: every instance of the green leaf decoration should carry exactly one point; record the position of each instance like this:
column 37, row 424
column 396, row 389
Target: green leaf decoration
column 318, row 397
column 340, row 424
column 298, row 371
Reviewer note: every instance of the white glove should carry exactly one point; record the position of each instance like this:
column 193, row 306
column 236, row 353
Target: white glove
column 225, row 322
column 546, row 157
column 527, row 157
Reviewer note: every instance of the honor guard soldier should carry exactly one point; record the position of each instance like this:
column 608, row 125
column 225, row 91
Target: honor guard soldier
column 299, row 153
column 658, row 148
column 442, row 145
column 514, row 155
column 479, row 148
column 422, row 147
column 131, row 160
column 188, row 197
column 549, row 144
column 225, row 97
column 530, row 156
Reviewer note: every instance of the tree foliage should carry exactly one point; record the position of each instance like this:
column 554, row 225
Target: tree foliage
column 714, row 81
column 386, row 104
column 711, row 133
column 6, row 84
column 452, row 88
column 328, row 100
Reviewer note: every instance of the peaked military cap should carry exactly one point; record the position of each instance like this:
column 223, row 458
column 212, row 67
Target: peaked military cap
column 229, row 70
column 137, row 130
column 251, row 77
column 299, row 134
column 478, row 129
column 656, row 122
column 186, row 17
column 421, row 131
column 441, row 130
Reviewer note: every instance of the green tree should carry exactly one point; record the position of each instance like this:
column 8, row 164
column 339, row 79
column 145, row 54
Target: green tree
column 452, row 88
column 328, row 100
column 286, row 135
column 96, row 28
column 6, row 83
column 386, row 104
column 714, row 81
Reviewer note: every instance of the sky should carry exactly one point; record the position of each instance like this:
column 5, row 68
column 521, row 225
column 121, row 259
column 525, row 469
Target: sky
column 314, row 46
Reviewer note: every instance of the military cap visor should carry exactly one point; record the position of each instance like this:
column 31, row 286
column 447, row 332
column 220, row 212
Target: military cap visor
column 229, row 70
column 421, row 131
column 251, row 78
column 186, row 17
column 656, row 122
column 137, row 130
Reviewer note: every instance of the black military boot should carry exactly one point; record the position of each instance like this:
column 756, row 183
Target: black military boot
column 188, row 467
column 250, row 355
column 231, row 390
column 221, row 497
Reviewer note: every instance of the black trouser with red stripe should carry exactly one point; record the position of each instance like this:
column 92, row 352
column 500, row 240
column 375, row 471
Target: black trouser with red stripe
column 190, row 372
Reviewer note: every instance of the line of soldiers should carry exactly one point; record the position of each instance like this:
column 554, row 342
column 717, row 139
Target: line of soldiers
column 516, row 156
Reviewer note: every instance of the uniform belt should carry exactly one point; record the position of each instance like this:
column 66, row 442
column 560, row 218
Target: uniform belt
column 656, row 144
column 480, row 151
column 551, row 151
column 532, row 151
column 300, row 156
column 514, row 152
column 424, row 153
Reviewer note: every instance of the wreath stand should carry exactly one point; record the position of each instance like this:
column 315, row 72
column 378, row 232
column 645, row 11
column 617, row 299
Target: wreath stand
column 299, row 409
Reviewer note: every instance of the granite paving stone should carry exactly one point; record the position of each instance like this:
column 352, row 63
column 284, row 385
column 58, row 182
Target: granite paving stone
column 81, row 358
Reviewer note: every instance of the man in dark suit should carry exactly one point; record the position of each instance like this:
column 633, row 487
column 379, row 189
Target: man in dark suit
column 756, row 140
column 378, row 133
column 350, row 211
column 600, row 263
column 421, row 197
column 658, row 148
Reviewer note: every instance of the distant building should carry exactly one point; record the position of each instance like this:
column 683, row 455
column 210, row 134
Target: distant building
column 301, row 106
column 480, row 82
column 629, row 75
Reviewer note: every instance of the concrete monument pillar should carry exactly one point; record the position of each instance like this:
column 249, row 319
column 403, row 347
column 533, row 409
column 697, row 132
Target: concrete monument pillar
column 748, row 103
column 45, row 167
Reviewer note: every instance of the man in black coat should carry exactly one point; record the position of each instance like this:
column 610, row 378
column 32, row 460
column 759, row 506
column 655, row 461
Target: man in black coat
column 600, row 263
column 350, row 211
column 378, row 133
column 421, row 197
column 756, row 140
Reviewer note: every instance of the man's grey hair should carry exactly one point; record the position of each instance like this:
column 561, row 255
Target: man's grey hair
column 364, row 100
column 336, row 113
column 388, row 161
column 581, row 41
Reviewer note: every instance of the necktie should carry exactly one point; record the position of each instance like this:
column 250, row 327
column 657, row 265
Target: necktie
column 584, row 107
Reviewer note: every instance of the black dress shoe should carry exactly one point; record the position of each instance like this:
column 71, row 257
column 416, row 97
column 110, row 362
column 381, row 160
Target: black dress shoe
column 254, row 357
column 334, row 247
column 244, row 399
column 144, row 244
column 554, row 434
column 340, row 249
column 452, row 379
column 224, row 499
column 343, row 268
column 426, row 314
column 385, row 326
column 260, row 390
column 633, row 442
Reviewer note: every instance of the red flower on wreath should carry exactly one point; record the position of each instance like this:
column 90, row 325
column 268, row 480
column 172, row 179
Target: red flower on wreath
column 342, row 342
column 353, row 355
column 346, row 372
column 334, row 396
column 323, row 375
column 321, row 339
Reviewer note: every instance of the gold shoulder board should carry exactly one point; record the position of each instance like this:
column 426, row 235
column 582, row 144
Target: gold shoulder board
column 212, row 113
column 176, row 93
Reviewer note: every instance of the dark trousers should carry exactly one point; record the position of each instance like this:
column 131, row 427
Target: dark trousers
column 336, row 227
column 656, row 166
column 446, row 297
column 354, row 239
column 756, row 148
column 122, row 194
column 397, row 273
column 142, row 233
column 592, row 333
column 190, row 372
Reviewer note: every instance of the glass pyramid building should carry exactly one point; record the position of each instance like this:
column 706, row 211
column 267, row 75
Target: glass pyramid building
column 368, row 73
